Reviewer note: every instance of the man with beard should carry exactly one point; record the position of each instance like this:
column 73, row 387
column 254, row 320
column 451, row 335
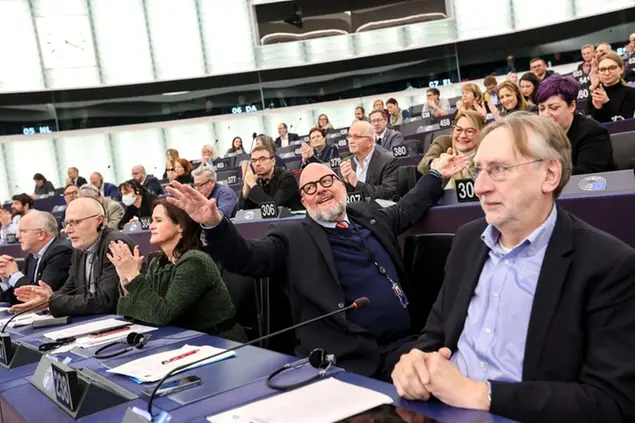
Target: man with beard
column 21, row 204
column 337, row 254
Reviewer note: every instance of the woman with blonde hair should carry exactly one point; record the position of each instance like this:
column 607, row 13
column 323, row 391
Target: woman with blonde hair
column 511, row 100
column 611, row 97
column 171, row 155
column 462, row 142
column 208, row 155
column 471, row 99
column 324, row 123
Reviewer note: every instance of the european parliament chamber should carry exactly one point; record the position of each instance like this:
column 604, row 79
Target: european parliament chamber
column 299, row 211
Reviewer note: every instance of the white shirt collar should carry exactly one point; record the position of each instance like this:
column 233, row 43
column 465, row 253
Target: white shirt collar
column 44, row 248
column 382, row 134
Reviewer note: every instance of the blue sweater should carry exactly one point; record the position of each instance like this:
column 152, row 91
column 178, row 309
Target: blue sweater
column 385, row 318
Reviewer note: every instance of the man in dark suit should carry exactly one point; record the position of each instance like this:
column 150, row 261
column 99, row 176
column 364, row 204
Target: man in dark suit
column 266, row 182
column 151, row 183
column 74, row 178
column 48, row 260
column 534, row 320
column 105, row 188
column 319, row 151
column 538, row 67
column 90, row 268
column 369, row 171
column 284, row 137
column 337, row 254
column 384, row 136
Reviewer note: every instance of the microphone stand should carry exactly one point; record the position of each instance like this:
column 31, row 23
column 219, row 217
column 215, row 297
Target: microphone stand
column 356, row 305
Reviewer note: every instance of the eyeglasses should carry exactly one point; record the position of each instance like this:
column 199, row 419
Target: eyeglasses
column 325, row 181
column 73, row 223
column 201, row 185
column 374, row 121
column 71, row 194
column 468, row 131
column 497, row 172
column 261, row 160
column 611, row 68
column 356, row 137
column 170, row 169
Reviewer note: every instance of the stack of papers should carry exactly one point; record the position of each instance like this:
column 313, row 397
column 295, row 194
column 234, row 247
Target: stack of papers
column 153, row 367
column 24, row 320
column 84, row 339
column 307, row 405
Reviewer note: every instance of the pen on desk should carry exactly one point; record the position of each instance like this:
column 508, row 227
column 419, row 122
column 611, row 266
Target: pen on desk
column 109, row 332
column 178, row 357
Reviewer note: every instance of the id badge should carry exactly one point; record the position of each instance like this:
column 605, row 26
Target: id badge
column 400, row 295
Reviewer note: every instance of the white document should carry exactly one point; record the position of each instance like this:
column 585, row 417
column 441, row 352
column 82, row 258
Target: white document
column 307, row 405
column 84, row 329
column 152, row 369
column 23, row 320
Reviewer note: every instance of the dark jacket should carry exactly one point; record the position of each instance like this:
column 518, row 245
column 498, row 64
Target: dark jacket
column 53, row 268
column 153, row 185
column 298, row 255
column 185, row 179
column 80, row 181
column 621, row 104
column 281, row 188
column 291, row 136
column 382, row 177
column 111, row 191
column 591, row 148
column 189, row 294
column 390, row 139
column 44, row 189
column 145, row 210
column 324, row 156
column 83, row 302
column 578, row 363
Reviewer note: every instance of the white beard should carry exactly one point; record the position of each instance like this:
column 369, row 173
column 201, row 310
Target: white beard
column 330, row 215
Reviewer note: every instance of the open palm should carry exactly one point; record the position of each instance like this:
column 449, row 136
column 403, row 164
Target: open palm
column 195, row 204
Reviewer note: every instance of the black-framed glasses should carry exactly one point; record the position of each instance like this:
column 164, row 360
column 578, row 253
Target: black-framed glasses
column 611, row 68
column 497, row 172
column 73, row 223
column 326, row 181
column 201, row 185
column 261, row 160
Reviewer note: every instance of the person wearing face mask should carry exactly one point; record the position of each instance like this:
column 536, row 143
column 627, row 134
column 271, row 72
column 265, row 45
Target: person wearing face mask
column 612, row 98
column 318, row 151
column 591, row 148
column 462, row 142
column 137, row 199
column 182, row 286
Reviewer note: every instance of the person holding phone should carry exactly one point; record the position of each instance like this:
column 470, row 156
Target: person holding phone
column 263, row 182
column 182, row 286
column 611, row 98
column 317, row 151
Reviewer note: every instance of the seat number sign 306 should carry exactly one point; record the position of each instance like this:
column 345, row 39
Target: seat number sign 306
column 465, row 190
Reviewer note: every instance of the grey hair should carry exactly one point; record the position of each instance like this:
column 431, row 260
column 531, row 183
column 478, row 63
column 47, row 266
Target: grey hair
column 591, row 46
column 89, row 191
column 367, row 127
column 45, row 221
column 206, row 171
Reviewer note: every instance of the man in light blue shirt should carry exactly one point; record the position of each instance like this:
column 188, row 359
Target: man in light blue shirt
column 534, row 321
column 205, row 183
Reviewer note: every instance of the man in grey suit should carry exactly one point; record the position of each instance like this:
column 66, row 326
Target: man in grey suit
column 114, row 210
column 369, row 171
column 384, row 136
column 90, row 268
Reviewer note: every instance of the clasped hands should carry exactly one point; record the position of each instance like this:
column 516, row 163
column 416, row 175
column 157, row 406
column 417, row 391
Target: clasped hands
column 127, row 264
column 30, row 296
column 418, row 375
column 348, row 174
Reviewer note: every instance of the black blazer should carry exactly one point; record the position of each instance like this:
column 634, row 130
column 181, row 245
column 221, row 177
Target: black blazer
column 382, row 177
column 579, row 361
column 591, row 148
column 80, row 181
column 53, row 268
column 324, row 156
column 292, row 137
column 282, row 188
column 82, row 302
column 298, row 255
column 621, row 104
column 153, row 185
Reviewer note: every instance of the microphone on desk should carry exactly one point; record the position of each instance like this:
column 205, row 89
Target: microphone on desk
column 5, row 339
column 356, row 305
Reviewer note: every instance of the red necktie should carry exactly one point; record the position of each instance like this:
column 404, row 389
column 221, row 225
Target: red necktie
column 342, row 225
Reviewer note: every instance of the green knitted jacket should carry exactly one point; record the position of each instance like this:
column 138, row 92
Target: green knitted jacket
column 189, row 294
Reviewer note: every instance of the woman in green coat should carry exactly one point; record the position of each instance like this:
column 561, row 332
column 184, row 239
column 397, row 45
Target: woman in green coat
column 182, row 287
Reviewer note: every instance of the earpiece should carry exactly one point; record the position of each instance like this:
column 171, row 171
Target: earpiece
column 318, row 359
column 133, row 340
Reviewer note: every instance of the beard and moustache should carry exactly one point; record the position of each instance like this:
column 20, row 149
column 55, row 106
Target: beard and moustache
column 329, row 215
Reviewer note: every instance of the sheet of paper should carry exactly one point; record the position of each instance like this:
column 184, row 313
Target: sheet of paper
column 84, row 329
column 89, row 341
column 151, row 369
column 307, row 405
column 24, row 320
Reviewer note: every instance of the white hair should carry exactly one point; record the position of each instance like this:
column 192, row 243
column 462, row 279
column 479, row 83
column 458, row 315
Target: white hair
column 45, row 221
column 205, row 171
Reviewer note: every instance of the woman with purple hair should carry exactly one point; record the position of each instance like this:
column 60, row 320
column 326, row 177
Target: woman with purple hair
column 591, row 149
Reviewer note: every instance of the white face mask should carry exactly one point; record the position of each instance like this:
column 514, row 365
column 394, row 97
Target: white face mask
column 128, row 199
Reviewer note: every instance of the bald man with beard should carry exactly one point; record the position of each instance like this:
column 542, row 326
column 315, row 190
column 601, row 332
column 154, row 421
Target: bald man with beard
column 90, row 269
column 337, row 254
